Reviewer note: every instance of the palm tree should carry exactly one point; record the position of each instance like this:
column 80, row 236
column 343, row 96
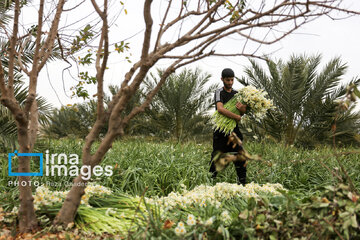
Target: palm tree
column 304, row 100
column 180, row 107
column 75, row 120
column 8, row 129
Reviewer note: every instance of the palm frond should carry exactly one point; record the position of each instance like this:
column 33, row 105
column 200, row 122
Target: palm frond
column 304, row 99
column 181, row 104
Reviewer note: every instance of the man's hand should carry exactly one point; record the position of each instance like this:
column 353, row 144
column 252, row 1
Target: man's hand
column 229, row 114
column 241, row 107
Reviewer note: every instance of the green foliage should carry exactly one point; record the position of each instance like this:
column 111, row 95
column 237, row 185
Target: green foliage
column 82, row 39
column 180, row 108
column 7, row 4
column 86, row 60
column 77, row 120
column 305, row 101
column 333, row 215
column 80, row 42
column 4, row 16
column 74, row 120
column 8, row 128
column 122, row 47
column 79, row 90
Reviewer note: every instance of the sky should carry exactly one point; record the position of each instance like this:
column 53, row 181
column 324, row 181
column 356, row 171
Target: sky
column 330, row 38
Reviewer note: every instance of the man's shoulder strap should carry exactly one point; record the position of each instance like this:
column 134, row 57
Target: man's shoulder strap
column 217, row 94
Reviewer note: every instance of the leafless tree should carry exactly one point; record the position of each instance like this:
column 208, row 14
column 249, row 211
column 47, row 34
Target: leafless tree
column 262, row 22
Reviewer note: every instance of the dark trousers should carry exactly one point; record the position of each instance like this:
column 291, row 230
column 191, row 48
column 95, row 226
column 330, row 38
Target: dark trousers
column 220, row 144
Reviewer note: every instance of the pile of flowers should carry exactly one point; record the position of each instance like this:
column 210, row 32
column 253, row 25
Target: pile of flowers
column 214, row 195
column 106, row 212
column 257, row 106
column 44, row 196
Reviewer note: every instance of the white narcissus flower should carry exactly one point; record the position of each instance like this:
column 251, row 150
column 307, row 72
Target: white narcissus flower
column 191, row 220
column 180, row 230
column 181, row 224
column 213, row 195
column 191, row 217
column 177, row 231
column 209, row 222
column 225, row 214
column 43, row 196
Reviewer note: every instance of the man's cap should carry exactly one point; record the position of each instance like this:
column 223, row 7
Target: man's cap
column 227, row 72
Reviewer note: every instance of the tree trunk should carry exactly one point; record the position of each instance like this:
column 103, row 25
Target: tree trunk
column 27, row 217
column 289, row 134
column 178, row 128
column 68, row 210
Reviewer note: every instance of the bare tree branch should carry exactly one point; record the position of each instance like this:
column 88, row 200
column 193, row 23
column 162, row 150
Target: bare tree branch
column 12, row 48
column 22, row 67
column 169, row 70
column 36, row 58
column 148, row 29
column 161, row 30
column 100, row 71
column 3, row 88
column 46, row 49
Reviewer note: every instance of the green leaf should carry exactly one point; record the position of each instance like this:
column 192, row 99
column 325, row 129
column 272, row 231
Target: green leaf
column 244, row 215
column 354, row 222
column 346, row 223
column 344, row 214
column 273, row 236
column 250, row 231
column 357, row 92
column 331, row 188
column 251, row 203
column 260, row 218
column 323, row 205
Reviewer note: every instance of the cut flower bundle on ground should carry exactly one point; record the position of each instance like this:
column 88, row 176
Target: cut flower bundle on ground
column 44, row 196
column 101, row 211
column 257, row 106
column 214, row 195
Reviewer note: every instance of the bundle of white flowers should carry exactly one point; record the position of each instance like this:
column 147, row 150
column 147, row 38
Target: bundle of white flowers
column 257, row 106
column 214, row 195
column 120, row 216
column 97, row 220
column 44, row 196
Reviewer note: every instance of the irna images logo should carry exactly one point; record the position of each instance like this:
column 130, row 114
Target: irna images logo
column 60, row 165
column 10, row 158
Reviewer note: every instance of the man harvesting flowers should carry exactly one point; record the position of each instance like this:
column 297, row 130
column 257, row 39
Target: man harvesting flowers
column 220, row 139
